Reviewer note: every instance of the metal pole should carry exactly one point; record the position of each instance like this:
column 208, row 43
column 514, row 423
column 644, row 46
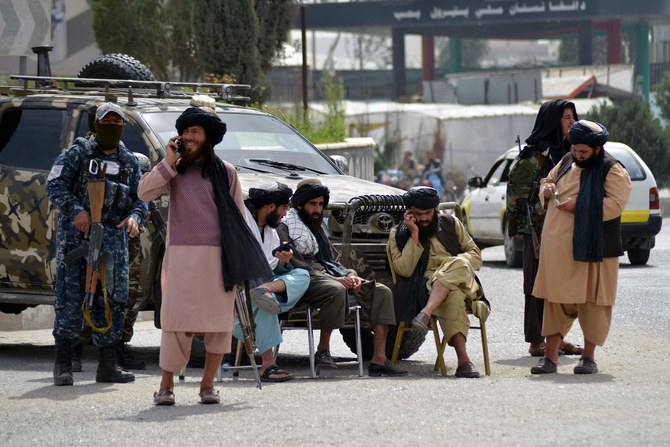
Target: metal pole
column 303, row 29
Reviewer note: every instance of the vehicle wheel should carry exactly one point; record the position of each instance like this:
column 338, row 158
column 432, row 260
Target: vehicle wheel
column 411, row 342
column 513, row 249
column 638, row 256
column 116, row 66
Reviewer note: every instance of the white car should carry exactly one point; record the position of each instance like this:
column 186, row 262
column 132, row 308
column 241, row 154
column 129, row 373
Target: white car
column 484, row 208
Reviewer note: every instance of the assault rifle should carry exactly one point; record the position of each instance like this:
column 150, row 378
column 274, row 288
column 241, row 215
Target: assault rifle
column 158, row 220
column 244, row 314
column 92, row 251
column 529, row 214
column 530, row 203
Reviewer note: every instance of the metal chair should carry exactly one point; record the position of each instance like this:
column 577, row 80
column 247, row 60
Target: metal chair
column 305, row 318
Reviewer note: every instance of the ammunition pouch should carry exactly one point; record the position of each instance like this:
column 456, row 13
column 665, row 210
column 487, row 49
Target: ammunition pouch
column 117, row 197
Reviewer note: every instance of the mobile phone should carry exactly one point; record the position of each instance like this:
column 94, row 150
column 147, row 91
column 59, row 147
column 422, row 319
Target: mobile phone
column 283, row 247
column 180, row 151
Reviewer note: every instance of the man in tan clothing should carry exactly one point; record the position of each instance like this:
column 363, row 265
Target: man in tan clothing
column 585, row 195
column 435, row 260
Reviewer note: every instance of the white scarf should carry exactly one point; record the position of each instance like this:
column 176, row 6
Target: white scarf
column 303, row 238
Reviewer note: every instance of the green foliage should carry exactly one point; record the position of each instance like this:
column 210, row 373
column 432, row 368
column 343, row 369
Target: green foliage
column 275, row 18
column 118, row 26
column 226, row 37
column 332, row 128
column 235, row 38
column 633, row 124
column 662, row 90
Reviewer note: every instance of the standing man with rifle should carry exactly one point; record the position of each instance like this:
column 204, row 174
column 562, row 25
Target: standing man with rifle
column 545, row 147
column 209, row 248
column 94, row 186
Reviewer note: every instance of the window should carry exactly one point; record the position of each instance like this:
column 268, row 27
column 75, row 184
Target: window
column 497, row 173
column 30, row 138
column 131, row 137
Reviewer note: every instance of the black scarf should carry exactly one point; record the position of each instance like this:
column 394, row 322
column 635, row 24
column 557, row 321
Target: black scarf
column 242, row 258
column 415, row 293
column 587, row 238
column 324, row 257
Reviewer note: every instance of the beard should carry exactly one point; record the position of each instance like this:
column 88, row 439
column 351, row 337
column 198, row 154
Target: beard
column 189, row 158
column 273, row 219
column 589, row 162
column 313, row 221
column 428, row 231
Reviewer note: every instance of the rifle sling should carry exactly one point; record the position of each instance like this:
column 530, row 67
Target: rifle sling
column 108, row 312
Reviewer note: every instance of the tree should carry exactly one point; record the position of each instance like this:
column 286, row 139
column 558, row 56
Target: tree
column 134, row 27
column 179, row 15
column 662, row 90
column 231, row 39
column 275, row 19
column 226, row 38
column 632, row 123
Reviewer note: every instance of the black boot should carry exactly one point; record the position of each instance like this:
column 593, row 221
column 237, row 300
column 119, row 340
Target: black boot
column 63, row 366
column 76, row 357
column 126, row 357
column 108, row 370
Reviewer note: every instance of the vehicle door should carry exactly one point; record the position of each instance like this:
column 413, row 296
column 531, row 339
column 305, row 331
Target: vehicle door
column 29, row 144
column 488, row 202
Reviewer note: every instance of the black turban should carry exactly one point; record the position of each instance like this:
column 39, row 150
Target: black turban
column 588, row 132
column 272, row 192
column 422, row 197
column 308, row 190
column 208, row 120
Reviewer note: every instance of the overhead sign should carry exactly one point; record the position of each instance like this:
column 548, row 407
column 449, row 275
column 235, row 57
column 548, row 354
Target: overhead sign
column 24, row 24
column 459, row 11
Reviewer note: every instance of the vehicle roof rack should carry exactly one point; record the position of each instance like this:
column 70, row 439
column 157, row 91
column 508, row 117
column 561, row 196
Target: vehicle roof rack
column 120, row 87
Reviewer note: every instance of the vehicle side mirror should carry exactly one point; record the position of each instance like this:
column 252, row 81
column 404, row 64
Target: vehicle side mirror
column 475, row 182
column 341, row 163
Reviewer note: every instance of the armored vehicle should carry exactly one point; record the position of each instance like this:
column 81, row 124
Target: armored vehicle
column 43, row 115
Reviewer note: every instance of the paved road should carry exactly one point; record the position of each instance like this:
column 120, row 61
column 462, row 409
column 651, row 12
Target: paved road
column 626, row 404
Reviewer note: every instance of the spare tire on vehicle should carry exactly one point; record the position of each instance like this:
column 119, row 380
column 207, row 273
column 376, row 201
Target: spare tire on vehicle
column 116, row 66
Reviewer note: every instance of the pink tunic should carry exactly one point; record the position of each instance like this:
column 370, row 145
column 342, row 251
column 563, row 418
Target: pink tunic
column 194, row 298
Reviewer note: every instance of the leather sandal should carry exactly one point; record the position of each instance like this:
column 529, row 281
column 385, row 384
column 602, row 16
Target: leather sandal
column 544, row 366
column 421, row 322
column 164, row 396
column 265, row 303
column 274, row 370
column 586, row 366
column 467, row 370
column 209, row 396
column 569, row 349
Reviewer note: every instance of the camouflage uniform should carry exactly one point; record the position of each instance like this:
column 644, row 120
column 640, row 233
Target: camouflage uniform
column 524, row 172
column 67, row 190
column 134, row 288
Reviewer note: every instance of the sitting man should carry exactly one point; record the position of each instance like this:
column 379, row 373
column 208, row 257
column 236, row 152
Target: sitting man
column 435, row 259
column 330, row 282
column 266, row 205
